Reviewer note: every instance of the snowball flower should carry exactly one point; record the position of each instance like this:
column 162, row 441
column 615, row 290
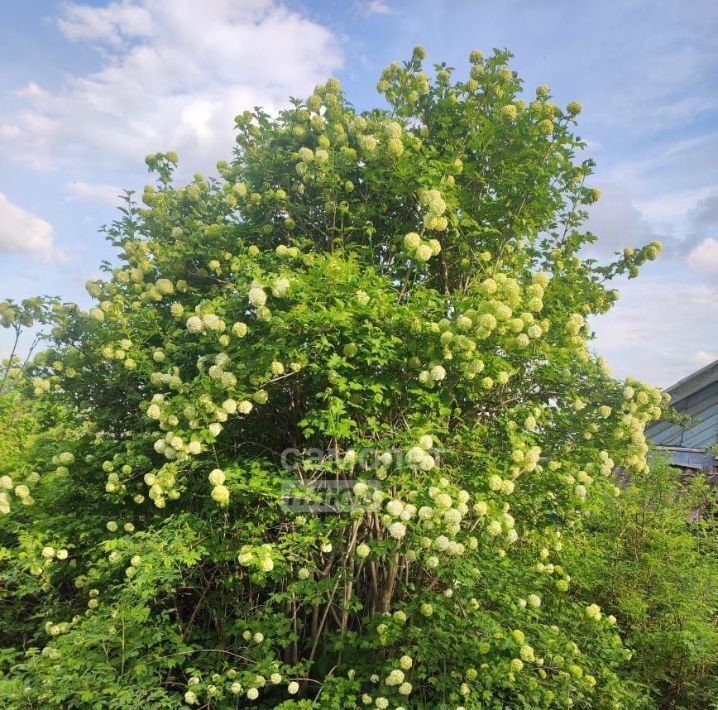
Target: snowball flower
column 593, row 612
column 487, row 321
column 481, row 508
column 452, row 516
column 426, row 512
column 194, row 324
column 406, row 662
column 494, row 528
column 48, row 552
column 212, row 322
column 360, row 489
column 395, row 677
column 293, row 688
column 239, row 329
column 395, row 507
column 217, row 477
column 220, row 494
column 437, row 373
column 386, row 458
column 463, row 322
column 252, row 693
column 424, row 252
column 280, row 287
column 190, row 698
column 426, row 441
column 533, row 600
column 397, row 530
column 363, row 550
column 164, row 286
column 415, row 454
column 257, row 296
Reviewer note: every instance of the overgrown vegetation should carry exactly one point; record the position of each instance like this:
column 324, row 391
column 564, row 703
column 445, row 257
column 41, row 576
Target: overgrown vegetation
column 394, row 302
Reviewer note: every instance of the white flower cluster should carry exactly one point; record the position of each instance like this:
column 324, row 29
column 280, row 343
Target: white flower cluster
column 261, row 558
column 593, row 611
column 22, row 491
column 429, row 377
column 258, row 298
column 525, row 460
column 49, row 553
column 641, row 405
column 220, row 492
column 499, row 485
column 198, row 324
column 419, row 456
column 419, row 249
column 162, row 485
column 280, row 286
column 114, row 484
column 284, row 251
column 166, row 379
column 436, row 207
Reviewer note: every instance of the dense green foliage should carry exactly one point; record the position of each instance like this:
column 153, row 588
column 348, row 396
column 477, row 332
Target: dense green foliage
column 640, row 560
column 395, row 301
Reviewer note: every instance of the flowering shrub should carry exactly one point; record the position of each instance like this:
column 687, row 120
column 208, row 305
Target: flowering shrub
column 407, row 279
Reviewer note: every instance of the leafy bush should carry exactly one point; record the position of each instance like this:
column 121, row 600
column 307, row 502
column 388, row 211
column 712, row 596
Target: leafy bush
column 640, row 560
column 394, row 303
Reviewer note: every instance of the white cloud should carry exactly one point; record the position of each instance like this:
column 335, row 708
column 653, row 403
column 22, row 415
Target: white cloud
column 22, row 231
column 704, row 257
column 110, row 24
column 376, row 7
column 8, row 131
column 617, row 222
column 106, row 194
column 173, row 76
column 660, row 330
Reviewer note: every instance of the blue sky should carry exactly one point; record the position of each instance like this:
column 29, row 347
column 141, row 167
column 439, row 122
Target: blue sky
column 89, row 88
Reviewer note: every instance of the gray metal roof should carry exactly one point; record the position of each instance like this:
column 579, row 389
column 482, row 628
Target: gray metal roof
column 697, row 397
column 692, row 383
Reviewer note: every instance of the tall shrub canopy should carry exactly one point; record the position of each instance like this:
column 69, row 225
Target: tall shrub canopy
column 394, row 301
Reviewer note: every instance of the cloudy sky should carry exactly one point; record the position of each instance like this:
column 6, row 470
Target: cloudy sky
column 87, row 89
